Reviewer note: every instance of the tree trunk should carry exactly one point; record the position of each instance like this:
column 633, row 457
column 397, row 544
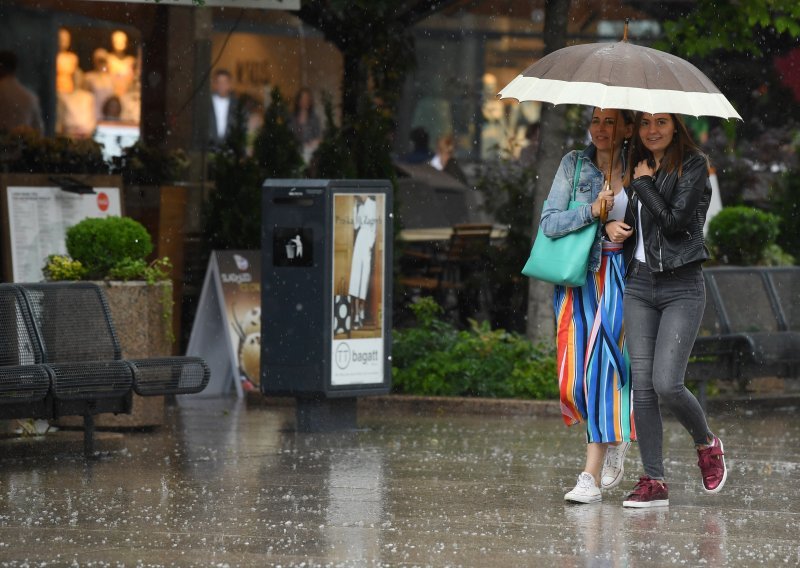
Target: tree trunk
column 541, row 319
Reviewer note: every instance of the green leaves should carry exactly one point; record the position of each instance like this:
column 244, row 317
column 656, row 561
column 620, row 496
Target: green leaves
column 62, row 267
column 100, row 244
column 107, row 248
column 732, row 25
column 435, row 359
column 740, row 235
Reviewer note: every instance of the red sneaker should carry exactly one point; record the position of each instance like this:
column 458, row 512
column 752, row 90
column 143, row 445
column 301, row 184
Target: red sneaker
column 648, row 493
column 712, row 466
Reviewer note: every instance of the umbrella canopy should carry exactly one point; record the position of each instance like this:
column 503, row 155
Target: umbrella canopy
column 620, row 75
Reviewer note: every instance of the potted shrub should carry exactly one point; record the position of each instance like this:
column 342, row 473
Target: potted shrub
column 746, row 236
column 113, row 250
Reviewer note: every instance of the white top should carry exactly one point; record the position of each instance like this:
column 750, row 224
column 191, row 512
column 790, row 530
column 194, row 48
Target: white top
column 617, row 212
column 639, row 253
column 221, row 106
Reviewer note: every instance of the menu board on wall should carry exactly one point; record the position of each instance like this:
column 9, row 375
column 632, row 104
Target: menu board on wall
column 36, row 221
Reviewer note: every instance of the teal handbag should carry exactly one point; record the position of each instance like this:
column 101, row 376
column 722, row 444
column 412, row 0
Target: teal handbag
column 564, row 260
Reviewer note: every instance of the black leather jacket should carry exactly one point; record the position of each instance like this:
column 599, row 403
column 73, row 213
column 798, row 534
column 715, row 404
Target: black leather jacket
column 673, row 214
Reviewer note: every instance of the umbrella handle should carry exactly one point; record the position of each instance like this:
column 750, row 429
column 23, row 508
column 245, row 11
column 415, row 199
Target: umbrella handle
column 603, row 211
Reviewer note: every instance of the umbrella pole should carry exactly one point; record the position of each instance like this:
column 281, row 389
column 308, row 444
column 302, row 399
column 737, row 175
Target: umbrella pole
column 607, row 184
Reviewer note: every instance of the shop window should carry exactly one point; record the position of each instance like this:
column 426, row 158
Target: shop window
column 98, row 86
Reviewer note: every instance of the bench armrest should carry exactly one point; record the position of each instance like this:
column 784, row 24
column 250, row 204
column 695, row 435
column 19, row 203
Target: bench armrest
column 92, row 379
column 169, row 375
column 24, row 383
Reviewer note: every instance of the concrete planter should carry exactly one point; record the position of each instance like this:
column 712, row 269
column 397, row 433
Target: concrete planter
column 144, row 330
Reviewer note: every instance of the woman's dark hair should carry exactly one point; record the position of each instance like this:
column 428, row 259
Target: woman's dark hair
column 680, row 145
column 628, row 116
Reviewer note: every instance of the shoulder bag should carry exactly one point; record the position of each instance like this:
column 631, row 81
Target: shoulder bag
column 563, row 260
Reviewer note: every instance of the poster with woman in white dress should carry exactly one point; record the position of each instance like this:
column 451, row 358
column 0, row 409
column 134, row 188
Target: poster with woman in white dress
column 358, row 285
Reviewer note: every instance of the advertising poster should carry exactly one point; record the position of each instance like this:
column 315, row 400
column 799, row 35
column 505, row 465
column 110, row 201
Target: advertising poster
column 359, row 229
column 227, row 326
column 39, row 218
column 240, row 275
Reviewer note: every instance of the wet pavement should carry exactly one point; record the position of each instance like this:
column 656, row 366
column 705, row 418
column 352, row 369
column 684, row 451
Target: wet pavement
column 227, row 485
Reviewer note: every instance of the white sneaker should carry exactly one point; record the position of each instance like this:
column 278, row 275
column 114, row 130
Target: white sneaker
column 614, row 465
column 586, row 491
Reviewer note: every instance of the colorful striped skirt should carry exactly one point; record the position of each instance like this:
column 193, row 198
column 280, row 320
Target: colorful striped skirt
column 593, row 364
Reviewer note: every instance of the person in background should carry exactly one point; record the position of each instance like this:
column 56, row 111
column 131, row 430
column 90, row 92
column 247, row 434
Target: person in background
column 305, row 123
column 223, row 107
column 445, row 161
column 420, row 152
column 527, row 156
column 592, row 363
column 252, row 116
column 112, row 109
column 19, row 107
column 665, row 297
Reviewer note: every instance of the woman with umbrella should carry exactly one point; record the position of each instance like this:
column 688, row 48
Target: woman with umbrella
column 665, row 296
column 667, row 179
column 592, row 364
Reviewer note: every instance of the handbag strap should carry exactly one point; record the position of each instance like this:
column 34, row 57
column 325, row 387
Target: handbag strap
column 577, row 177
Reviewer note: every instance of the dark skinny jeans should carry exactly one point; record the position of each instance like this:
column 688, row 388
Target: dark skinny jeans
column 662, row 314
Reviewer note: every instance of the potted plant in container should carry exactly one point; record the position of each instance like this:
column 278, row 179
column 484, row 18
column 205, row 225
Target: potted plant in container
column 114, row 250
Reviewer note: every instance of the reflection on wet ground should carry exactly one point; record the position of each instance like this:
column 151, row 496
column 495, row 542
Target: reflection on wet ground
column 224, row 485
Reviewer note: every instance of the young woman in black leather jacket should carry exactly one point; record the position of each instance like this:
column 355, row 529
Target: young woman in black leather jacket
column 667, row 180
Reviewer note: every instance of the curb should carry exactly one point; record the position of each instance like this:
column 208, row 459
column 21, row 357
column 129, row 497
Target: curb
column 440, row 405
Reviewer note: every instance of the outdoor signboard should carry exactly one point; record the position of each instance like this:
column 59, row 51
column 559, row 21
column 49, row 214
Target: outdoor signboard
column 36, row 216
column 227, row 325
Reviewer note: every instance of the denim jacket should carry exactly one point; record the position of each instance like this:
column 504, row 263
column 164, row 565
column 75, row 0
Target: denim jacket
column 557, row 220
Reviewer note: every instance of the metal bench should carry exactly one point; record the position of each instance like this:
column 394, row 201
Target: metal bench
column 750, row 328
column 61, row 357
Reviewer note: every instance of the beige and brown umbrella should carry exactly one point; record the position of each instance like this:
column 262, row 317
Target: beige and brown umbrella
column 620, row 75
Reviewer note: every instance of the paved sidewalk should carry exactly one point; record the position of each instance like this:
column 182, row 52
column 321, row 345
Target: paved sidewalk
column 227, row 485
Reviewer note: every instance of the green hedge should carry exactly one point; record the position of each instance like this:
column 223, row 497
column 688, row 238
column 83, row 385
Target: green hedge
column 435, row 359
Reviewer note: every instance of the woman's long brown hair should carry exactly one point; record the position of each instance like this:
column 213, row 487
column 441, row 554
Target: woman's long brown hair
column 681, row 145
